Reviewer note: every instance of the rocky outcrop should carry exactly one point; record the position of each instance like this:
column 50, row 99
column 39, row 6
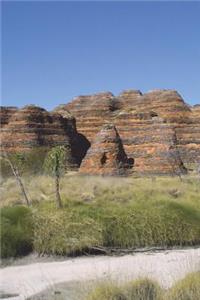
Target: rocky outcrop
column 147, row 124
column 5, row 114
column 157, row 130
column 106, row 156
column 91, row 112
column 33, row 127
column 188, row 136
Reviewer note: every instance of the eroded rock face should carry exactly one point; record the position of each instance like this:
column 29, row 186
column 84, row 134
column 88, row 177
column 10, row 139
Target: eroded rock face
column 34, row 127
column 5, row 114
column 157, row 129
column 91, row 112
column 106, row 156
column 147, row 124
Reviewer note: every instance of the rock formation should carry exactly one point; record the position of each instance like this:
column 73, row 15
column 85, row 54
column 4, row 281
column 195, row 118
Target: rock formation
column 5, row 114
column 147, row 124
column 158, row 130
column 106, row 156
column 33, row 127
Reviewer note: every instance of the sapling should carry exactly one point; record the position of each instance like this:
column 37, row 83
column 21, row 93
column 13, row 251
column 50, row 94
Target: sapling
column 54, row 165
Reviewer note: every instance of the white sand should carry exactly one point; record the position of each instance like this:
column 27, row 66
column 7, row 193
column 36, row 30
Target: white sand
column 166, row 267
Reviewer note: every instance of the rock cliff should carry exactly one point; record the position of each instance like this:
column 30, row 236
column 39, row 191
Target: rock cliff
column 151, row 126
column 157, row 130
column 34, row 127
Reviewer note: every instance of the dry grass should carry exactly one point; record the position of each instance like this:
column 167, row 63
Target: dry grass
column 146, row 289
column 123, row 190
column 185, row 289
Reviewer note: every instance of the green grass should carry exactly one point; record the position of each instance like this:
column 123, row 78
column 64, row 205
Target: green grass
column 63, row 233
column 110, row 212
column 146, row 289
column 107, row 291
column 140, row 289
column 16, row 231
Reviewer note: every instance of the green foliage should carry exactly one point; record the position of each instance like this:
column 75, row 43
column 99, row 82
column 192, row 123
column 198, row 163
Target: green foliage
column 16, row 231
column 186, row 289
column 34, row 161
column 109, row 291
column 141, row 289
column 80, row 226
column 27, row 163
column 150, row 224
column 62, row 233
column 125, row 212
column 146, row 289
column 54, row 163
column 5, row 170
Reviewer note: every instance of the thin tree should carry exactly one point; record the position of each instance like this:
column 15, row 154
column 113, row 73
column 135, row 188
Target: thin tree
column 54, row 165
column 16, row 162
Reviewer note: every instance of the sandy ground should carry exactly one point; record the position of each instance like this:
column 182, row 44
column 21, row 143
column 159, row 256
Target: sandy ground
column 166, row 267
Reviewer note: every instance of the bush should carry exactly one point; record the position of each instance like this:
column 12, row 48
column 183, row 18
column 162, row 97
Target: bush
column 186, row 289
column 146, row 289
column 143, row 224
column 63, row 233
column 107, row 292
column 141, row 289
column 82, row 225
column 16, row 231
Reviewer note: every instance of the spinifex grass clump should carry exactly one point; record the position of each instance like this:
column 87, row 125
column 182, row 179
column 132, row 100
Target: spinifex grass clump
column 16, row 231
column 186, row 289
column 81, row 226
column 140, row 224
column 147, row 289
column 109, row 291
column 63, row 233
column 141, row 289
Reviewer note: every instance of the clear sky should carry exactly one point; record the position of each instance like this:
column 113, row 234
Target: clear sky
column 54, row 51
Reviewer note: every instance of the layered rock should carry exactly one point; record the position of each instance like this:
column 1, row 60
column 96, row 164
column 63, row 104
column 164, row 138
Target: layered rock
column 188, row 136
column 32, row 127
column 155, row 128
column 147, row 124
column 91, row 112
column 106, row 156
column 5, row 114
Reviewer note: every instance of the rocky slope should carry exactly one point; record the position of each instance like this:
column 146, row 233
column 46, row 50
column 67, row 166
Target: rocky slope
column 157, row 130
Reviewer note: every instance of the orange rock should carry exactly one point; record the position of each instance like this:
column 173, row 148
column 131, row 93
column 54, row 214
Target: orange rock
column 106, row 155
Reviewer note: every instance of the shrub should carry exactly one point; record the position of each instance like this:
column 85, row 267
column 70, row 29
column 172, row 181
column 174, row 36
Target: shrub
column 141, row 289
column 143, row 224
column 109, row 291
column 16, row 231
column 144, row 289
column 62, row 232
column 186, row 289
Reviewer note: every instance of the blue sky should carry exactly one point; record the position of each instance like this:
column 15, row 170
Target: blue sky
column 54, row 51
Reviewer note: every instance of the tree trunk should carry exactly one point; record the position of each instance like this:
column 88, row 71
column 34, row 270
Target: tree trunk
column 19, row 181
column 58, row 198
